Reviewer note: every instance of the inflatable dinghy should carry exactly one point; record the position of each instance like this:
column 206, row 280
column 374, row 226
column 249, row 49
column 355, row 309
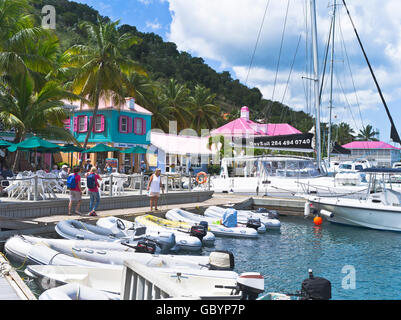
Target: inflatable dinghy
column 216, row 260
column 75, row 229
column 244, row 216
column 76, row 291
column 187, row 237
column 181, row 216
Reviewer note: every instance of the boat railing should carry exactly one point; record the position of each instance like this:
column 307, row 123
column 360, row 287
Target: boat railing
column 306, row 187
column 140, row 282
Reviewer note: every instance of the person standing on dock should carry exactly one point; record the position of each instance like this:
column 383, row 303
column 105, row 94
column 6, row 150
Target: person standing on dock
column 93, row 188
column 154, row 185
column 74, row 184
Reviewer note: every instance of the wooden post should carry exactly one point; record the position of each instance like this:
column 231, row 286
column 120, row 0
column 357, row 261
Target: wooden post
column 111, row 185
column 141, row 184
column 35, row 191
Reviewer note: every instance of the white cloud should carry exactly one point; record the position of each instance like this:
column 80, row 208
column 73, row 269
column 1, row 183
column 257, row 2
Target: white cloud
column 154, row 25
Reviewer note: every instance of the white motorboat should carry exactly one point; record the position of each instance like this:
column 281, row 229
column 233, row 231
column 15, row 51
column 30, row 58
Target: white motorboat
column 244, row 216
column 206, row 284
column 219, row 230
column 377, row 210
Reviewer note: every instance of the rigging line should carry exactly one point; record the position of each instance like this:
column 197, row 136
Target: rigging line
column 257, row 42
column 394, row 134
column 345, row 97
column 269, row 111
column 281, row 48
column 325, row 61
column 351, row 74
column 289, row 76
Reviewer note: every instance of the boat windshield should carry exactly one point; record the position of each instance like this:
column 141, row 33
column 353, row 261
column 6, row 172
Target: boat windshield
column 297, row 168
column 345, row 166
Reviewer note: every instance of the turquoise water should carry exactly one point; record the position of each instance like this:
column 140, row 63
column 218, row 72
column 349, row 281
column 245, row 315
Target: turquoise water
column 284, row 258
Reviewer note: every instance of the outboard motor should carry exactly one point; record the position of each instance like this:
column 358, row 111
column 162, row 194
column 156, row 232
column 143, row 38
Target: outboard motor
column 198, row 231
column 221, row 260
column 315, row 288
column 253, row 223
column 271, row 214
column 251, row 284
column 165, row 240
column 146, row 246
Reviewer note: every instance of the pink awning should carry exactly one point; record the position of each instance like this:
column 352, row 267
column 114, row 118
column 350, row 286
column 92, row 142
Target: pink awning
column 369, row 145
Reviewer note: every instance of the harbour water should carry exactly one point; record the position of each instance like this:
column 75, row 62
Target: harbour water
column 284, row 258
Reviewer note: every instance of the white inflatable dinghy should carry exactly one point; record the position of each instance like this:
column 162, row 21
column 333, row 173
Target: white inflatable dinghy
column 184, row 241
column 218, row 229
column 244, row 216
column 76, row 291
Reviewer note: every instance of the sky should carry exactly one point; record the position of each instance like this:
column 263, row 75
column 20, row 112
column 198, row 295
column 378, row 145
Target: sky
column 267, row 44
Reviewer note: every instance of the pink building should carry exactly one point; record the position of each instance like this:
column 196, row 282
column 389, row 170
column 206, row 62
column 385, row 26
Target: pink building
column 379, row 153
column 243, row 126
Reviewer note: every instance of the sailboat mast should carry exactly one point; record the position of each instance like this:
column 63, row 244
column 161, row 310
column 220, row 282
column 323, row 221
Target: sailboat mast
column 331, row 82
column 316, row 82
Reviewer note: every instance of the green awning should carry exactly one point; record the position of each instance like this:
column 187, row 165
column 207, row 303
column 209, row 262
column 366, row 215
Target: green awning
column 70, row 148
column 4, row 143
column 35, row 144
column 136, row 149
column 100, row 148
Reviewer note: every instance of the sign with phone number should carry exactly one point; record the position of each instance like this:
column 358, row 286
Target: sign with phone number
column 291, row 142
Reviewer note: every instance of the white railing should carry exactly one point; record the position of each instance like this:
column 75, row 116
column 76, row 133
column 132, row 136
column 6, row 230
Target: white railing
column 140, row 282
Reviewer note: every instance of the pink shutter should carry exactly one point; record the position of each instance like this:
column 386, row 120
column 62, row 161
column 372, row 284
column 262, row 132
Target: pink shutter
column 120, row 124
column 101, row 123
column 129, row 125
column 86, row 124
column 75, row 124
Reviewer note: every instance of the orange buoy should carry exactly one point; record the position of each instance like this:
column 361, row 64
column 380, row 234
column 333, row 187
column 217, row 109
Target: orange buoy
column 318, row 221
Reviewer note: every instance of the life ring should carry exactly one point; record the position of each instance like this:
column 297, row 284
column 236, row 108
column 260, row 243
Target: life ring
column 203, row 180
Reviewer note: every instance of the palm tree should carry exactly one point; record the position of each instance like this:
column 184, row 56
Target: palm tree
column 22, row 44
column 175, row 97
column 101, row 67
column 27, row 111
column 344, row 133
column 204, row 112
column 367, row 134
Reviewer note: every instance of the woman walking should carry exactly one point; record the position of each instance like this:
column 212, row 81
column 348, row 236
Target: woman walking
column 93, row 188
column 154, row 186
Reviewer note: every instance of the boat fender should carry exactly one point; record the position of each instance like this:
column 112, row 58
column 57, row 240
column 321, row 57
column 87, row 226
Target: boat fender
column 251, row 284
column 326, row 213
column 221, row 260
column 307, row 209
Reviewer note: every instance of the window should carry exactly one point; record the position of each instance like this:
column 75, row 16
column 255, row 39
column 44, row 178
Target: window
column 139, row 126
column 124, row 124
column 98, row 124
column 82, row 125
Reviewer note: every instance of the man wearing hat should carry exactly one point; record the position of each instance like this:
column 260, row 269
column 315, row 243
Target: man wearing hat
column 88, row 165
column 64, row 172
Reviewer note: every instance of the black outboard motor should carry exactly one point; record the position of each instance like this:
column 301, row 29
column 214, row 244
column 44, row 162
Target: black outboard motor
column 198, row 231
column 253, row 223
column 146, row 246
column 315, row 288
column 271, row 214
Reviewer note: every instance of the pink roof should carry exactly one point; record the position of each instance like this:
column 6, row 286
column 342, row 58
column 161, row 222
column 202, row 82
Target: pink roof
column 180, row 144
column 369, row 145
column 242, row 126
column 104, row 104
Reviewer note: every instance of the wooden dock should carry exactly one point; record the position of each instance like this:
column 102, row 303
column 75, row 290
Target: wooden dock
column 11, row 285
